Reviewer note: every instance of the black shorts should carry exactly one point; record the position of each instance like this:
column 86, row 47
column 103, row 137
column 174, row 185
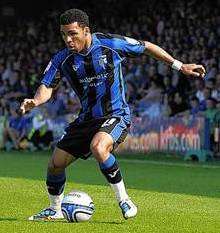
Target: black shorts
column 78, row 136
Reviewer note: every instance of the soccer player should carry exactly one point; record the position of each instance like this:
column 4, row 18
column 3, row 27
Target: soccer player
column 92, row 65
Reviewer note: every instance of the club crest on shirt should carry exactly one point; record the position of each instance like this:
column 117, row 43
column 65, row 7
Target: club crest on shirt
column 103, row 61
column 75, row 67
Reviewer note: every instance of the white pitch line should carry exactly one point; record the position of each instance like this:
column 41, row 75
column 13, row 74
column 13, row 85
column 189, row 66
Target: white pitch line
column 169, row 163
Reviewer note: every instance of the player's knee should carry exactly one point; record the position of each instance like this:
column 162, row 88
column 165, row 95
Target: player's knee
column 98, row 148
column 55, row 168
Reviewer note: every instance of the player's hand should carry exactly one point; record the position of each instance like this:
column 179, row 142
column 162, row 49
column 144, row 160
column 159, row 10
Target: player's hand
column 194, row 70
column 27, row 105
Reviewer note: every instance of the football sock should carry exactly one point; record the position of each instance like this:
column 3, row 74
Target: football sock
column 111, row 171
column 55, row 201
column 55, row 187
column 120, row 191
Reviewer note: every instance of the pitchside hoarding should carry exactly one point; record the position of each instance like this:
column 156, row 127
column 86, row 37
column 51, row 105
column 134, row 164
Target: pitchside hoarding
column 167, row 135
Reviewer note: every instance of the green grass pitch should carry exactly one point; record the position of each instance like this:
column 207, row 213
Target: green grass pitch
column 171, row 197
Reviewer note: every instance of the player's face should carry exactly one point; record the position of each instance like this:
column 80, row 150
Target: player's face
column 75, row 36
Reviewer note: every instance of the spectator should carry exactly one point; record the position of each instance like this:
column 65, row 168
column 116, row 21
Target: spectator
column 2, row 126
column 167, row 86
column 15, row 129
column 165, row 107
column 177, row 104
column 41, row 134
column 150, row 104
column 211, row 110
column 199, row 89
column 207, row 94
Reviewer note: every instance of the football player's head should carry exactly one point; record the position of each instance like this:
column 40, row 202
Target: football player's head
column 74, row 28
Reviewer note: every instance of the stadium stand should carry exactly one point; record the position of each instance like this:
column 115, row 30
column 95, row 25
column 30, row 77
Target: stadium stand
column 185, row 29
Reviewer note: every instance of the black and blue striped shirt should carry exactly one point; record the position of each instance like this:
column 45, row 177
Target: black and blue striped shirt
column 96, row 76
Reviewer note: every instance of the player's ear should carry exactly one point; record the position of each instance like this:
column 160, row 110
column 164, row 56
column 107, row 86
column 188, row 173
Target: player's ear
column 87, row 31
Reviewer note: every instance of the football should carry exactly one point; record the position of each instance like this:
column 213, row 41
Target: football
column 77, row 206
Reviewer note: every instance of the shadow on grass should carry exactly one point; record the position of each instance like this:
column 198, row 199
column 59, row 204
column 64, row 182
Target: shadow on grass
column 2, row 219
column 143, row 176
column 108, row 222
column 63, row 221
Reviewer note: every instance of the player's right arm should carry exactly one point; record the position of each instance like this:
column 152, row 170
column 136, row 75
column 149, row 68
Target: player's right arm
column 49, row 81
column 43, row 94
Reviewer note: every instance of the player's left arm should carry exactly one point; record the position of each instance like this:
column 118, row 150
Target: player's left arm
column 129, row 47
column 160, row 54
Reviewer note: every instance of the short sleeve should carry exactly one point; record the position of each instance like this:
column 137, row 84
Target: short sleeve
column 51, row 75
column 125, row 46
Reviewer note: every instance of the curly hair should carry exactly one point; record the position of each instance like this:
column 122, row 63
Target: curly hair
column 74, row 15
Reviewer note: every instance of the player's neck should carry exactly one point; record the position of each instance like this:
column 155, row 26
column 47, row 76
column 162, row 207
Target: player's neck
column 88, row 43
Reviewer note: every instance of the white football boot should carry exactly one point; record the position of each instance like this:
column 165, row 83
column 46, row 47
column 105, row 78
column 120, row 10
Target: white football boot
column 47, row 215
column 128, row 208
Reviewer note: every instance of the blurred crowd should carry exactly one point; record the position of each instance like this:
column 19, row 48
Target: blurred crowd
column 190, row 31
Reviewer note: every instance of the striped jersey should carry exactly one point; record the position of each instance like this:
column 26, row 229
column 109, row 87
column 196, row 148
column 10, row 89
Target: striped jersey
column 96, row 76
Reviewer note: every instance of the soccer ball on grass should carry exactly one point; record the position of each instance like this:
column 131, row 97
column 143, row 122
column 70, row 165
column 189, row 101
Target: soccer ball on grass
column 77, row 206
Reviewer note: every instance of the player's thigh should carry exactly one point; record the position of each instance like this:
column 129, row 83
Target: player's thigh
column 110, row 134
column 116, row 128
column 60, row 160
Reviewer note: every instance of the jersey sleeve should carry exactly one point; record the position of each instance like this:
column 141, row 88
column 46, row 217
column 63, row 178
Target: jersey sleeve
column 52, row 73
column 125, row 46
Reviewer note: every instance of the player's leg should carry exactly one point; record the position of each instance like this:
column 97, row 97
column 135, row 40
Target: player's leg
column 56, row 176
column 56, row 179
column 101, row 146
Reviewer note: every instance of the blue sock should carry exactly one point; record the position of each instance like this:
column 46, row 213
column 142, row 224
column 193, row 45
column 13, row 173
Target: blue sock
column 110, row 170
column 56, row 183
column 108, row 163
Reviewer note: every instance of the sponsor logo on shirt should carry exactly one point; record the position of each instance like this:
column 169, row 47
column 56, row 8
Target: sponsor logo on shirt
column 92, row 81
